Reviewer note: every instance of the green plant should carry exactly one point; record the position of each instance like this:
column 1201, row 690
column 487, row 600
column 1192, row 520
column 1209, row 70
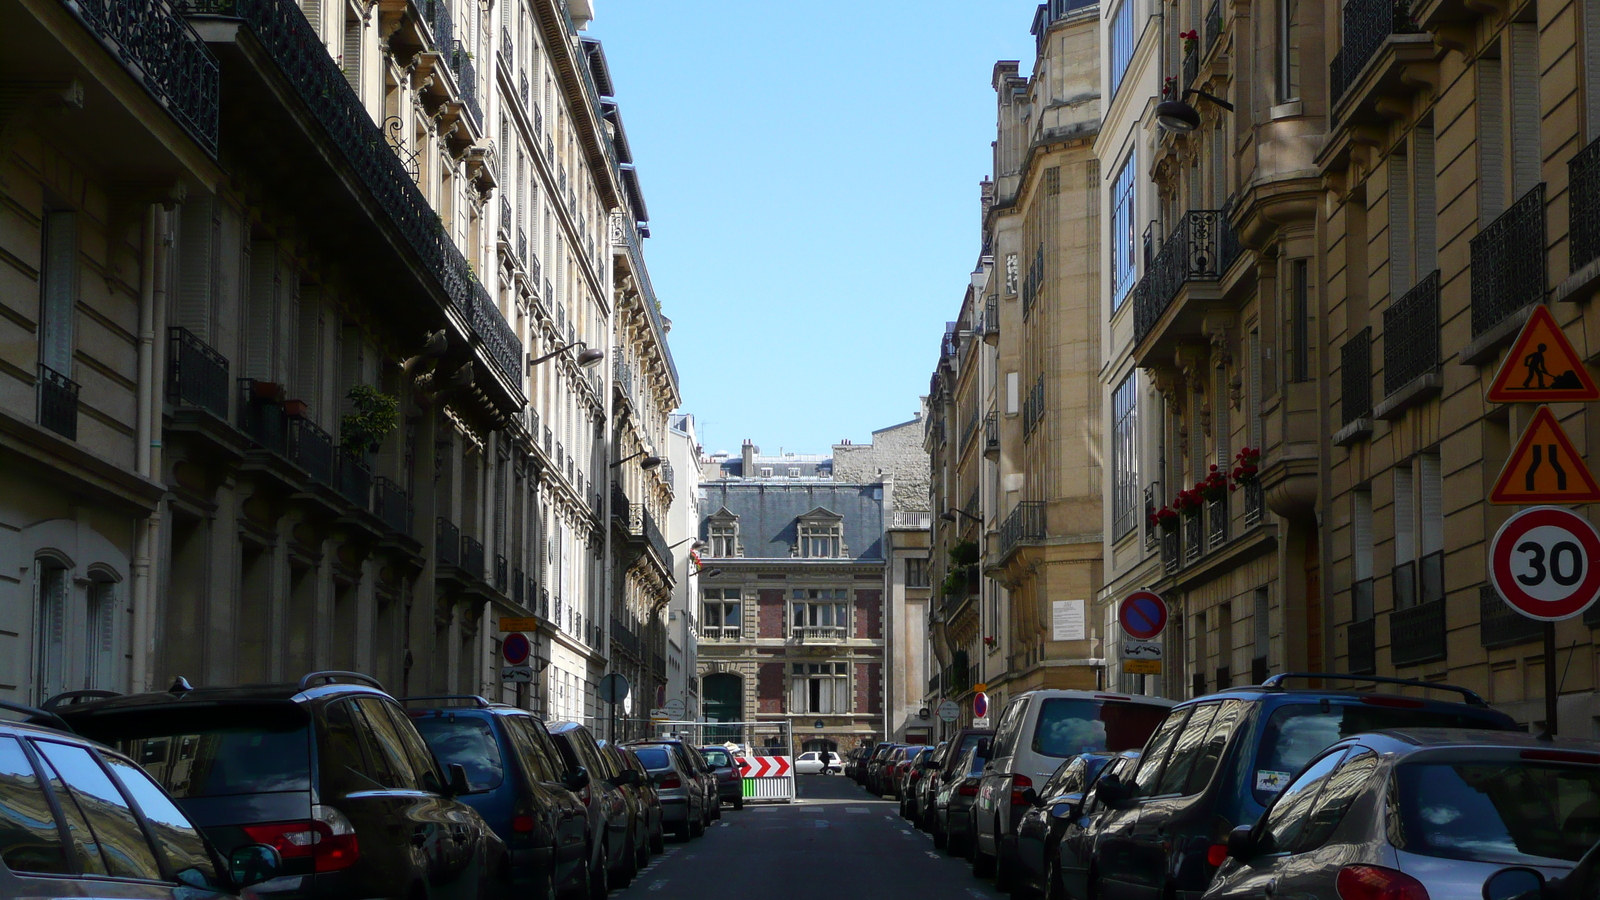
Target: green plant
column 955, row 583
column 964, row 554
column 375, row 417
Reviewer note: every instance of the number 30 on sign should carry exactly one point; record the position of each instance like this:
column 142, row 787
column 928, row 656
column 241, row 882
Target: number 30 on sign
column 1542, row 563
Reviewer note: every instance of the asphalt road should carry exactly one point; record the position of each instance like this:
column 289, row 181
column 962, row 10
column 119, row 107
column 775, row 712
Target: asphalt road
column 834, row 842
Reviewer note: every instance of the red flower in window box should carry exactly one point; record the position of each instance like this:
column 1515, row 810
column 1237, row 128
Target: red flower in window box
column 1214, row 486
column 1245, row 465
column 1165, row 518
column 1188, row 502
column 1191, row 40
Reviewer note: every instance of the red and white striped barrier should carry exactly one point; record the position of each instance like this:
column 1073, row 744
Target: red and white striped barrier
column 766, row 766
column 768, row 778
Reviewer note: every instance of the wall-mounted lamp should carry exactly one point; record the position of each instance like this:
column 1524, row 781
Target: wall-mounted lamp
column 1180, row 117
column 698, row 544
column 586, row 358
column 711, row 573
column 950, row 514
column 649, row 462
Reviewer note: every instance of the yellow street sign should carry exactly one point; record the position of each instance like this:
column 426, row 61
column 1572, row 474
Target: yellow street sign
column 980, row 687
column 1544, row 467
column 519, row 623
column 1141, row 666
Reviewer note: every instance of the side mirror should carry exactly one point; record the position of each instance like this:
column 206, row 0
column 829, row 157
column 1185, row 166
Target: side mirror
column 1031, row 797
column 1112, row 791
column 1516, row 883
column 1068, row 808
column 1242, row 843
column 458, row 780
column 577, row 779
column 634, row 779
column 253, row 864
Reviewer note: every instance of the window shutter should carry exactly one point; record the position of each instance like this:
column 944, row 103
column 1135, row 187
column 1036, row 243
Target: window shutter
column 1491, row 141
column 1431, row 493
column 288, row 327
column 1400, row 277
column 199, row 252
column 262, row 312
column 1404, row 516
column 1221, row 436
column 50, row 583
column 1361, row 535
column 352, row 53
column 58, row 291
column 1526, row 155
column 1426, row 193
column 1253, row 402
column 1591, row 68
column 313, row 11
column 308, row 350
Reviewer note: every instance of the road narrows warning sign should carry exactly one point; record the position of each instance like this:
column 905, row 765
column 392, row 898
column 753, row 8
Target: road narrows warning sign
column 1545, row 468
column 1542, row 366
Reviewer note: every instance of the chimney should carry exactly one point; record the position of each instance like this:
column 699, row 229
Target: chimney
column 750, row 449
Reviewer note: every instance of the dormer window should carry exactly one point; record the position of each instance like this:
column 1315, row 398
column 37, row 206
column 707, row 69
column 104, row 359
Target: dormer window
column 722, row 535
column 820, row 535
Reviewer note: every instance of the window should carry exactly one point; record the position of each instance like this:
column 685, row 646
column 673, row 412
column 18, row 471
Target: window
column 1187, row 750
column 220, row 752
column 1430, row 526
column 1361, row 554
column 1148, row 776
column 58, row 290
column 820, row 688
column 467, row 741
column 1216, row 742
column 1011, row 273
column 826, row 608
column 1343, row 787
column 389, row 763
column 1288, row 50
column 1123, row 243
column 1067, row 727
column 724, row 536
column 1508, row 812
column 1405, row 550
column 50, row 651
column 916, row 572
column 794, row 472
column 1121, row 44
column 1124, row 457
column 1299, row 362
column 821, row 540
column 720, row 621
column 176, row 837
column 99, row 644
column 30, row 837
column 116, row 835
column 1289, row 814
column 766, row 471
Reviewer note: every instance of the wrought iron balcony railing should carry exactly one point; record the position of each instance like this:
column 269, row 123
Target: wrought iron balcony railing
column 1171, row 557
column 1194, row 538
column 261, row 418
column 991, row 316
column 1367, row 24
column 355, row 479
column 446, row 542
column 1200, row 249
column 1417, row 634
column 970, row 430
column 58, row 403
column 1025, row 524
column 506, row 55
column 1217, row 522
column 1508, row 262
column 443, row 26
column 197, row 375
column 1362, row 658
column 164, row 54
column 519, row 594
column 1501, row 626
column 544, row 603
column 1033, row 408
column 1411, row 335
column 1191, row 65
column 1355, row 377
column 310, row 448
column 466, row 81
column 522, row 246
column 472, row 556
column 1150, row 507
column 499, row 340
column 1583, row 206
column 1254, row 503
column 500, row 575
column 392, row 505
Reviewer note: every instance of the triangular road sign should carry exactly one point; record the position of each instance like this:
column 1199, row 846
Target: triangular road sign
column 1545, row 468
column 1542, row 367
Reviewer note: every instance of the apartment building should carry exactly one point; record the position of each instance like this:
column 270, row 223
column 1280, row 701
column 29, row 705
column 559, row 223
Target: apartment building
column 1014, row 404
column 683, row 535
column 261, row 430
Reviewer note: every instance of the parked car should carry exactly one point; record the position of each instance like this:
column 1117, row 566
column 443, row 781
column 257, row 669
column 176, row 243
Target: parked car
column 927, row 763
column 1036, row 732
column 327, row 771
column 519, row 783
column 46, row 771
column 872, row 778
column 1074, row 829
column 1218, row 761
column 1422, row 812
column 965, row 740
column 1050, row 809
column 905, row 779
column 705, row 780
column 682, row 800
column 729, row 775
column 890, row 769
column 655, row 814
column 855, row 766
column 958, row 789
column 605, row 805
column 644, row 804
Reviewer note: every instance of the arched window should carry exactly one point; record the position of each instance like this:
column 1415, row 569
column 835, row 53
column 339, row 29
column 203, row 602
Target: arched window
column 50, row 627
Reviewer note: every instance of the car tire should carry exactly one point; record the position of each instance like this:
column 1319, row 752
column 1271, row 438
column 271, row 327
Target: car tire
column 580, row 887
column 600, row 878
column 738, row 802
column 717, row 810
column 1005, row 868
column 696, row 828
column 629, row 868
column 641, row 857
column 940, row 839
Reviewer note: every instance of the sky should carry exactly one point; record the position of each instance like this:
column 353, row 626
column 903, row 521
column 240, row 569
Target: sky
column 811, row 169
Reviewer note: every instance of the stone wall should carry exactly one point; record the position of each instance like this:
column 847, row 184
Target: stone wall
column 895, row 452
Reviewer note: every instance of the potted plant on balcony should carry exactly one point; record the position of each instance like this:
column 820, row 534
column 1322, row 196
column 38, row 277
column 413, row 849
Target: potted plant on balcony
column 1245, row 465
column 376, row 415
column 955, row 583
column 1165, row 518
column 1188, row 503
column 1191, row 40
column 1169, row 87
column 1214, row 486
column 964, row 554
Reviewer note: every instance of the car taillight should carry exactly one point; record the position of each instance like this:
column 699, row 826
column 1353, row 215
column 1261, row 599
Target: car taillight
column 672, row 781
column 328, row 839
column 1216, row 855
column 1378, row 883
column 968, row 790
column 522, row 823
column 1018, row 783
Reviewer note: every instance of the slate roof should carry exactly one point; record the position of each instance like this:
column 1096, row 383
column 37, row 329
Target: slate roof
column 769, row 514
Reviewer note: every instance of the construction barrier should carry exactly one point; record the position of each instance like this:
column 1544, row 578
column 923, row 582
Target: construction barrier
column 764, row 749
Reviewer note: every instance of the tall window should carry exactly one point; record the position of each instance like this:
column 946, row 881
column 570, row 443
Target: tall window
column 821, row 540
column 58, row 287
column 1299, row 363
column 1121, row 43
column 1124, row 457
column 721, row 619
column 819, row 688
column 1405, row 541
column 50, row 625
column 1361, row 555
column 99, row 637
column 916, row 572
column 724, row 539
column 1418, row 531
column 1288, row 50
column 1123, row 242
column 822, row 608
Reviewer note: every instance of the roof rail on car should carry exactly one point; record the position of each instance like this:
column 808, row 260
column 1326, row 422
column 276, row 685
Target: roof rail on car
column 335, row 676
column 476, row 700
column 38, row 716
column 73, row 698
column 1472, row 697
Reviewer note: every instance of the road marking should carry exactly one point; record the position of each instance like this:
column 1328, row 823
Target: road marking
column 977, row 893
column 657, row 884
column 931, row 853
column 856, row 809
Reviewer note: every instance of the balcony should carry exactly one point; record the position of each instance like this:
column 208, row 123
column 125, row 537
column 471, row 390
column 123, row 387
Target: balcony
column 1368, row 24
column 519, row 594
column 58, row 403
column 496, row 336
column 969, row 430
column 1417, row 634
column 1033, row 408
column 991, row 435
column 624, row 637
column 719, row 632
column 261, row 415
column 1411, row 349
column 1362, row 656
column 821, row 634
column 164, row 54
column 1254, row 503
column 1355, row 388
column 991, row 320
column 392, row 506
column 1194, row 537
column 472, row 557
column 1217, row 522
column 197, row 376
column 1583, row 206
column 1171, row 557
column 1508, row 263
column 466, row 81
column 1501, row 626
column 1199, row 250
column 1150, row 506
column 310, row 448
column 1191, row 66
column 446, row 542
column 1025, row 525
column 354, row 480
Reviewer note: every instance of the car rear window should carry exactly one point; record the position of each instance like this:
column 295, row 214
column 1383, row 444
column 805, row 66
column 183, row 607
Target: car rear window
column 967, row 743
column 467, row 741
column 213, row 751
column 653, row 757
column 1069, row 726
column 1299, row 731
column 1504, row 812
column 717, row 757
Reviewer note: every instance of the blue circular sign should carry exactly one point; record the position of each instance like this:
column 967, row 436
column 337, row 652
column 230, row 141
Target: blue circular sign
column 1143, row 615
column 515, row 648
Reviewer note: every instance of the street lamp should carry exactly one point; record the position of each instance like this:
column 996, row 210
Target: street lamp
column 1179, row 117
column 649, row 462
column 950, row 514
column 586, row 357
column 697, row 543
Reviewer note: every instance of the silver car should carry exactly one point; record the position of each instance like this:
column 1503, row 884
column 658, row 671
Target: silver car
column 1427, row 812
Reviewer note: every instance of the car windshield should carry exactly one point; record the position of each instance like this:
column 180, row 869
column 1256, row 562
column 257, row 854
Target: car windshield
column 1297, row 732
column 1512, row 812
column 467, row 741
column 1069, row 726
column 213, row 751
column 717, row 757
column 653, row 757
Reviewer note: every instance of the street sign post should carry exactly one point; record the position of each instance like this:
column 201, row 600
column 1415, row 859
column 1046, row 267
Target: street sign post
column 1542, row 366
column 1542, row 563
column 949, row 711
column 1143, row 615
column 1544, row 468
column 614, row 689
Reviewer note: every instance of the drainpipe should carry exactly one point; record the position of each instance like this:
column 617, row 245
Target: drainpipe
column 156, row 242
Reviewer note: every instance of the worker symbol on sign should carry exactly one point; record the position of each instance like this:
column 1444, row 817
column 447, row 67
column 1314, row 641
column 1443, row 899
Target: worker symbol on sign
column 1542, row 366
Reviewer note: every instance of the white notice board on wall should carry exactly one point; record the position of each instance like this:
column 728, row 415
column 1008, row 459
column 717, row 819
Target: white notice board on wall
column 1067, row 620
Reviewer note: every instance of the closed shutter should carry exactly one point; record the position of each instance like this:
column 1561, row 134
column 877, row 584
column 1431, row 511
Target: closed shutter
column 1361, row 534
column 58, row 291
column 313, row 11
column 199, row 258
column 1426, row 194
column 1491, row 141
column 1197, row 435
column 352, row 53
column 101, row 657
column 50, row 586
column 1400, row 277
column 1526, row 155
column 1404, row 516
column 261, row 313
column 289, row 333
column 1591, row 68
column 1430, row 490
column 1219, row 427
column 1253, row 402
column 308, row 355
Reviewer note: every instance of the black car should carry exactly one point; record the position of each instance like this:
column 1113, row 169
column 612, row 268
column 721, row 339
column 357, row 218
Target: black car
column 1052, row 808
column 57, row 788
column 936, row 816
column 644, row 804
column 1218, row 761
column 519, row 783
column 606, row 806
column 328, row 771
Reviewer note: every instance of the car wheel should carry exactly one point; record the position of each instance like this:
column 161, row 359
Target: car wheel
column 600, row 878
column 697, row 827
column 940, row 839
column 641, row 857
column 717, row 810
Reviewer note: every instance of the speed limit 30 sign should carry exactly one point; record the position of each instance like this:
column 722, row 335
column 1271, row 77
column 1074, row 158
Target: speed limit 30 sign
column 1543, row 563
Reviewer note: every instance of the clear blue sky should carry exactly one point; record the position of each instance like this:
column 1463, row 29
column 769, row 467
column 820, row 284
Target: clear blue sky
column 811, row 169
